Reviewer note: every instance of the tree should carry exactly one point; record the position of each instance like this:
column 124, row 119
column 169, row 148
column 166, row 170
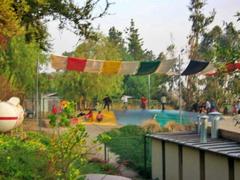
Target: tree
column 33, row 16
column 9, row 22
column 148, row 55
column 136, row 86
column 135, row 43
column 221, row 46
column 199, row 25
column 73, row 85
column 18, row 64
column 115, row 37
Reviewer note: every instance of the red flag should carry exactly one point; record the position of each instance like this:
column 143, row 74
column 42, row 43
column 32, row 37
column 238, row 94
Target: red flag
column 237, row 65
column 76, row 64
column 230, row 67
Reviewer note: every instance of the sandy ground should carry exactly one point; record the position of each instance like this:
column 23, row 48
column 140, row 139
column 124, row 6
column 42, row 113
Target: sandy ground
column 229, row 124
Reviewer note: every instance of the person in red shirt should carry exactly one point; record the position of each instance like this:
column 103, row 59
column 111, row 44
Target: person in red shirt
column 144, row 102
column 89, row 116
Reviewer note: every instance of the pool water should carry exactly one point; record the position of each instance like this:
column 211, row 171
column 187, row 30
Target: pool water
column 137, row 117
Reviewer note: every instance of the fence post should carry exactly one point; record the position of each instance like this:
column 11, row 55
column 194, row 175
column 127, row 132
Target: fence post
column 145, row 155
column 105, row 153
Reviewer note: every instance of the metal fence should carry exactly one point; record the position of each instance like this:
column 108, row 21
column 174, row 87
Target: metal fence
column 134, row 152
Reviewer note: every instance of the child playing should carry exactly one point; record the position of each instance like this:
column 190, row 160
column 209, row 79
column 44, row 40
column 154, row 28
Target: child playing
column 99, row 116
column 89, row 116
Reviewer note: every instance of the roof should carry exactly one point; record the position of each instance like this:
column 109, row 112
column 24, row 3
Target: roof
column 191, row 139
column 49, row 95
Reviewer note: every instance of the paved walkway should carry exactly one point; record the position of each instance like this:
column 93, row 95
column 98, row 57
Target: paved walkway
column 104, row 177
column 228, row 124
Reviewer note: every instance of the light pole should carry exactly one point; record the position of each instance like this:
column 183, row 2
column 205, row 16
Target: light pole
column 180, row 86
column 149, row 90
column 37, row 94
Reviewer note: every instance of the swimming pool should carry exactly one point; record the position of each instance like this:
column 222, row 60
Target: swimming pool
column 137, row 117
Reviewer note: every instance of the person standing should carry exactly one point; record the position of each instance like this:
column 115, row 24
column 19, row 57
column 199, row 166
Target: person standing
column 107, row 102
column 163, row 102
column 208, row 106
column 238, row 106
column 124, row 99
column 143, row 102
column 213, row 106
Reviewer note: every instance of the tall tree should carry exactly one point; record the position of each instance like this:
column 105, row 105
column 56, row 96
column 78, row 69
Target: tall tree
column 221, row 45
column 9, row 22
column 136, row 86
column 199, row 25
column 18, row 64
column 115, row 37
column 135, row 43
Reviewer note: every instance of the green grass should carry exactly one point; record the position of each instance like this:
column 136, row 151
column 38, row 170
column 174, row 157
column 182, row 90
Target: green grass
column 96, row 167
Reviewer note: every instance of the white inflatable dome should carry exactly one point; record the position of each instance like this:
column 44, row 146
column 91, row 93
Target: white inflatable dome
column 11, row 114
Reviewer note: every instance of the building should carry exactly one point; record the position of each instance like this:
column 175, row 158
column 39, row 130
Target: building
column 181, row 156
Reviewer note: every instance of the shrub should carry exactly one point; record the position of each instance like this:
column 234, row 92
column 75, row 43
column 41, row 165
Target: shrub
column 22, row 159
column 151, row 126
column 173, row 126
column 128, row 143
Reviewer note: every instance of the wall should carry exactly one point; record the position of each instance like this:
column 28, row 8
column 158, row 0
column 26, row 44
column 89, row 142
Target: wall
column 157, row 159
column 191, row 164
column 237, row 169
column 216, row 167
column 172, row 159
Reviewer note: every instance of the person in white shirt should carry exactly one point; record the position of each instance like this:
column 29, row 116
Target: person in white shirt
column 208, row 106
column 163, row 102
column 124, row 99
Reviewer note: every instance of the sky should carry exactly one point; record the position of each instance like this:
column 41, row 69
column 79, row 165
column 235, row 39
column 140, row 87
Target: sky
column 160, row 22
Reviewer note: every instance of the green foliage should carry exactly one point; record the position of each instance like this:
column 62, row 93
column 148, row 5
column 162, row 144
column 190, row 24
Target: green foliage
column 136, row 86
column 24, row 159
column 78, row 16
column 199, row 24
column 64, row 116
column 72, row 85
column 96, row 167
column 18, row 63
column 9, row 20
column 128, row 143
column 115, row 37
column 104, row 138
column 134, row 42
column 69, row 148
column 221, row 46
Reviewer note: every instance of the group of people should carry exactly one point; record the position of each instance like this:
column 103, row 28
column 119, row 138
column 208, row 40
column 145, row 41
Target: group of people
column 89, row 116
column 107, row 102
column 204, row 107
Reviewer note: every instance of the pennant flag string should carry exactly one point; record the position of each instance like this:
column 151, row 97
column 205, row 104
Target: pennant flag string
column 147, row 67
column 76, row 64
column 110, row 67
column 165, row 66
column 195, row 67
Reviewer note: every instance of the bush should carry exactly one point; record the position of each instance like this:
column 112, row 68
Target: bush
column 151, row 126
column 128, row 143
column 173, row 126
column 22, row 159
